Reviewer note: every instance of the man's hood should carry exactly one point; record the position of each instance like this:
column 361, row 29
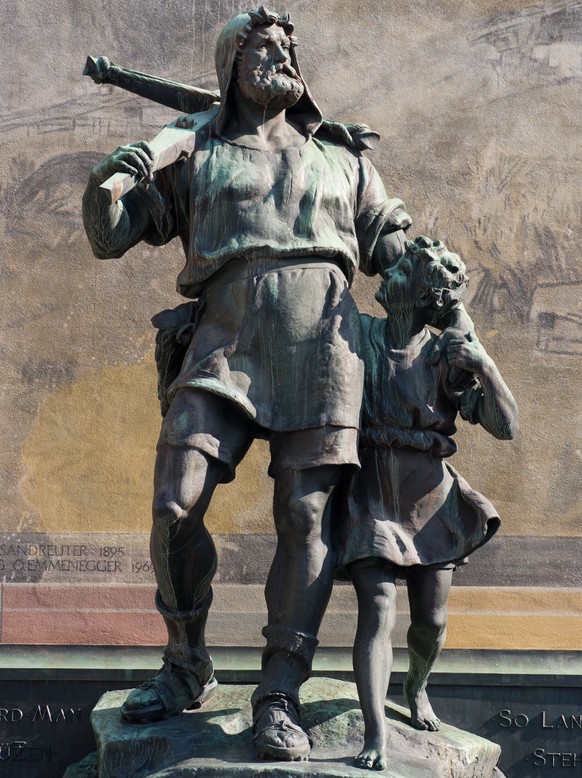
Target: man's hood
column 305, row 111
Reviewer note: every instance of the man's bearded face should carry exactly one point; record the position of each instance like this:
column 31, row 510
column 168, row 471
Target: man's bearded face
column 265, row 73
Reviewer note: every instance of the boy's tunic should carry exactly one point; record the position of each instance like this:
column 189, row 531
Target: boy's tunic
column 407, row 505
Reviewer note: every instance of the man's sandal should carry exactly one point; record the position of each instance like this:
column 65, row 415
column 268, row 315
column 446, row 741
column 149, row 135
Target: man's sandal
column 167, row 694
column 277, row 730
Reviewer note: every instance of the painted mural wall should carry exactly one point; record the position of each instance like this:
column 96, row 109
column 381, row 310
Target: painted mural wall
column 477, row 105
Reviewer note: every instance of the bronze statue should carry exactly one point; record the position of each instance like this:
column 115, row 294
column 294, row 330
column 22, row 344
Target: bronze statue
column 276, row 210
column 409, row 514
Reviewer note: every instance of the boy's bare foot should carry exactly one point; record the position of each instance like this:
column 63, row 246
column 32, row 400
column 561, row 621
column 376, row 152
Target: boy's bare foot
column 372, row 756
column 422, row 715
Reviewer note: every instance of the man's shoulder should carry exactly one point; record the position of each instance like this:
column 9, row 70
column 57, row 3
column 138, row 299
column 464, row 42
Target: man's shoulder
column 206, row 136
column 336, row 153
column 354, row 137
column 335, row 145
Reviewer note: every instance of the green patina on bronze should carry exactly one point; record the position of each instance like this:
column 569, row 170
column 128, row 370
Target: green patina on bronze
column 276, row 210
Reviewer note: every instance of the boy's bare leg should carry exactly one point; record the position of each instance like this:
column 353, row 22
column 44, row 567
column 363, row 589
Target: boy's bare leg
column 372, row 656
column 428, row 592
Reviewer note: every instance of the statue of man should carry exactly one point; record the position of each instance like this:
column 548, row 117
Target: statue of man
column 275, row 216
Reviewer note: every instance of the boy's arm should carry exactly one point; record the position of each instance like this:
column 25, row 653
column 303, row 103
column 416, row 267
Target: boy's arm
column 456, row 322
column 497, row 411
column 457, row 319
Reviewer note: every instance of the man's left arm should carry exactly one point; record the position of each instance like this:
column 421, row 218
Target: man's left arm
column 381, row 225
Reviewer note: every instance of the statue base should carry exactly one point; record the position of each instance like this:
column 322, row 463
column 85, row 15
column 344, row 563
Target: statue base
column 216, row 741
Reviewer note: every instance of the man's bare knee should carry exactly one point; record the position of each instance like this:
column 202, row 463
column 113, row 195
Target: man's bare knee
column 300, row 501
column 167, row 512
column 185, row 480
column 299, row 518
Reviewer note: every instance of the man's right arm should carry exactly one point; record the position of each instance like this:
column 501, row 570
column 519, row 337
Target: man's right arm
column 113, row 229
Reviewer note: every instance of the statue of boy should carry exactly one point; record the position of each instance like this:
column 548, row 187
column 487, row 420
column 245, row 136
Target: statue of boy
column 408, row 513
column 275, row 216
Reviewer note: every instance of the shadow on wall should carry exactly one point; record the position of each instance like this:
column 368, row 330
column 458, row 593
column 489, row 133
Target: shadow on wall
column 38, row 200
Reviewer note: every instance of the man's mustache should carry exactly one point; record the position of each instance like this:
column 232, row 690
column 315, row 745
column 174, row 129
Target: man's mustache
column 288, row 70
column 282, row 69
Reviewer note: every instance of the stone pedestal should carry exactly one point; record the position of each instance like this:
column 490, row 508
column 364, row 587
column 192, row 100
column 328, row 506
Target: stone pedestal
column 216, row 741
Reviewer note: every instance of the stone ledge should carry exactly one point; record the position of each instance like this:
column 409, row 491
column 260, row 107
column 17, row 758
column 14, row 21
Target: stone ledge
column 216, row 741
column 236, row 664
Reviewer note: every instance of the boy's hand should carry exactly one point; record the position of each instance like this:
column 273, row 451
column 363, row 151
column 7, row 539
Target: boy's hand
column 467, row 353
column 440, row 347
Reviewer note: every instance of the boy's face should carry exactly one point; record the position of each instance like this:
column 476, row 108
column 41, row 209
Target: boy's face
column 433, row 282
column 447, row 270
column 443, row 285
column 399, row 282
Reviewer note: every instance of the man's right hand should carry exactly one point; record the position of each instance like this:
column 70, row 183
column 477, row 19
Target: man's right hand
column 136, row 159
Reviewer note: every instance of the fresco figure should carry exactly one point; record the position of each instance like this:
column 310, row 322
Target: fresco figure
column 275, row 216
column 408, row 513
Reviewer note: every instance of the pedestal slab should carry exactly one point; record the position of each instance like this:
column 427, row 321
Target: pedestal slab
column 216, row 741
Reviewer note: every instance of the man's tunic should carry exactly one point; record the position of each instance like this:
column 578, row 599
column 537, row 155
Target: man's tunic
column 272, row 241
column 228, row 201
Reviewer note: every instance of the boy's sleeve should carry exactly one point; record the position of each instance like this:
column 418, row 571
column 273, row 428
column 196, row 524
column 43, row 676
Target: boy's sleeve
column 465, row 391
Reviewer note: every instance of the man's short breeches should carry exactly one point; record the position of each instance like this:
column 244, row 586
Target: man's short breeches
column 215, row 426
column 275, row 354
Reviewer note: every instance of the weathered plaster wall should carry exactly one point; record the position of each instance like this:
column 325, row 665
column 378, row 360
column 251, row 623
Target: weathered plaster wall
column 477, row 105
